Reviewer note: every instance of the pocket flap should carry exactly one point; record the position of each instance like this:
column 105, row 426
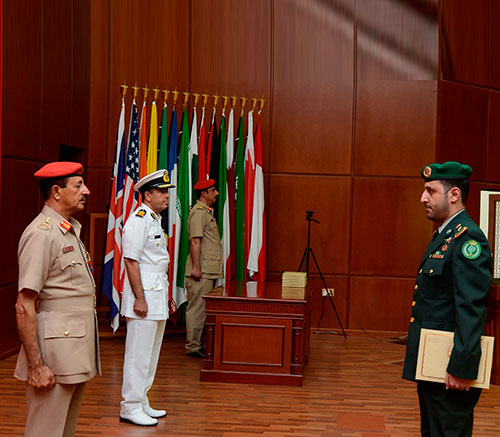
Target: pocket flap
column 433, row 267
column 68, row 259
column 65, row 328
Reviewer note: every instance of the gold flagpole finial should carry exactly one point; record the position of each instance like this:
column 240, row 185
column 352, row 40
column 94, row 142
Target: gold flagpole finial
column 233, row 101
column 156, row 91
column 254, row 103
column 136, row 90
column 196, row 99
column 216, row 99
column 243, row 102
column 145, row 92
column 224, row 104
column 262, row 101
column 123, row 89
column 186, row 98
column 205, row 99
column 165, row 95
column 176, row 95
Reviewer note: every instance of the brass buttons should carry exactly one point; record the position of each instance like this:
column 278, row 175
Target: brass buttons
column 416, row 286
column 66, row 333
column 412, row 319
column 152, row 288
column 431, row 270
column 420, row 271
column 73, row 262
column 413, row 303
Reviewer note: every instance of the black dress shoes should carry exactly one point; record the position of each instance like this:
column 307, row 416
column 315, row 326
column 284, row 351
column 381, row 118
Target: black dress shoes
column 196, row 354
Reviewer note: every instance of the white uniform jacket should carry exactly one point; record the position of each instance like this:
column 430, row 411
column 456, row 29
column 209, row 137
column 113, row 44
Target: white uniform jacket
column 144, row 241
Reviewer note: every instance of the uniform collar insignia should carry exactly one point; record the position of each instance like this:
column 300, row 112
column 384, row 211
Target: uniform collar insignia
column 65, row 225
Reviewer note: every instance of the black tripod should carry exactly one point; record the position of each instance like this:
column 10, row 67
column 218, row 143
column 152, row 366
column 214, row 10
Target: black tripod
column 308, row 250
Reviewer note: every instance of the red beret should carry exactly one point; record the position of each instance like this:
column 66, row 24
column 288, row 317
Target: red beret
column 59, row 169
column 204, row 185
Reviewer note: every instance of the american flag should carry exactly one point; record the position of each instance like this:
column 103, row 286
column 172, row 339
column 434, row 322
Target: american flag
column 130, row 197
column 112, row 256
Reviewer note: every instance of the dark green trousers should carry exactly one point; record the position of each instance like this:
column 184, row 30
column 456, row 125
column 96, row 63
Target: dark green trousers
column 446, row 413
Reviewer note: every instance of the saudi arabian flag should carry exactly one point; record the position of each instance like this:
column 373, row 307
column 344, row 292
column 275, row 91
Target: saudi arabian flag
column 239, row 188
column 163, row 160
column 183, row 192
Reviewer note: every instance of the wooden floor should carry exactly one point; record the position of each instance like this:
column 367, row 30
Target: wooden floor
column 351, row 388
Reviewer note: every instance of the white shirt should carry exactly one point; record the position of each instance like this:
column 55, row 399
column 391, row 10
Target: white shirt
column 144, row 241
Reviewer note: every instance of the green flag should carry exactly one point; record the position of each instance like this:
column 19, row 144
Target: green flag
column 163, row 160
column 239, row 188
column 222, row 186
column 183, row 189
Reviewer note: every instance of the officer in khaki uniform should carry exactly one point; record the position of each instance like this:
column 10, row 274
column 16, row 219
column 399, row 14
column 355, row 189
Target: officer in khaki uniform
column 204, row 263
column 451, row 294
column 55, row 308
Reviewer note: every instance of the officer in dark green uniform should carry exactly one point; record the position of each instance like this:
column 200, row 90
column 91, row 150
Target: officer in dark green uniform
column 451, row 294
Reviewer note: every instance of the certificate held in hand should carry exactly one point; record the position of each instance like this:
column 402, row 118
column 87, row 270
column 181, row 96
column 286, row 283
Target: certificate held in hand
column 434, row 353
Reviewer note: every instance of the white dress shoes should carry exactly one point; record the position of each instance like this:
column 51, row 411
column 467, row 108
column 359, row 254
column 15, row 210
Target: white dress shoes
column 151, row 412
column 140, row 418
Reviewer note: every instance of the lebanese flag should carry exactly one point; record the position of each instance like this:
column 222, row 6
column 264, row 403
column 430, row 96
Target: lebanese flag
column 249, row 183
column 257, row 254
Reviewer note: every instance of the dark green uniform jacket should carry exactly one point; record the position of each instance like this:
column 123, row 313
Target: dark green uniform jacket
column 451, row 294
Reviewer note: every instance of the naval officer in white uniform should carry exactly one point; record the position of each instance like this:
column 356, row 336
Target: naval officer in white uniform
column 145, row 298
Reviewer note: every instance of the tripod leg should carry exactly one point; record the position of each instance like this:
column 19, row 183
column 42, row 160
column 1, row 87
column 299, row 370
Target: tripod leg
column 306, row 255
column 329, row 297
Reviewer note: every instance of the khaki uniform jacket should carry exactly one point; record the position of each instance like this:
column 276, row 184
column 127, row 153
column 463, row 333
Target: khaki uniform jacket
column 451, row 294
column 54, row 263
column 202, row 224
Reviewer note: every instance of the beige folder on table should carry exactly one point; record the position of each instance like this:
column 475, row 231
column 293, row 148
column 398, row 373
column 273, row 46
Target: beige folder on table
column 434, row 354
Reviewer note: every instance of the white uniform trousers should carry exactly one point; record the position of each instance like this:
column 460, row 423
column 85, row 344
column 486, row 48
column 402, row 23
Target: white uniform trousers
column 142, row 350
column 53, row 411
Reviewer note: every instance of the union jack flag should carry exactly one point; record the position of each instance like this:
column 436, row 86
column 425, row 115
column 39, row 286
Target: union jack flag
column 111, row 281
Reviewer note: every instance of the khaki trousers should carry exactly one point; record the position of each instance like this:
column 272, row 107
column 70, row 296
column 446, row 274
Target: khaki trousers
column 195, row 311
column 53, row 411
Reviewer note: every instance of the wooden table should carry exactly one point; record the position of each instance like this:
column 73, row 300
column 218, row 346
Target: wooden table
column 257, row 333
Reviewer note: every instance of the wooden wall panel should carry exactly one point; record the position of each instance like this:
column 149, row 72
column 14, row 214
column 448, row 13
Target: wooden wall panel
column 395, row 127
column 312, row 98
column 381, row 303
column 16, row 214
column 464, row 41
column 57, row 78
column 22, row 79
column 99, row 90
column 290, row 197
column 493, row 149
column 396, row 40
column 462, row 125
column 390, row 229
column 494, row 44
column 322, row 312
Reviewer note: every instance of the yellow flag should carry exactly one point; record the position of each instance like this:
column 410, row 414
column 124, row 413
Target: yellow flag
column 153, row 140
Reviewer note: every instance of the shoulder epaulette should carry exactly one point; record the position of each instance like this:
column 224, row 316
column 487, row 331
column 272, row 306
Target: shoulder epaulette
column 461, row 230
column 45, row 225
column 141, row 213
column 153, row 215
column 200, row 206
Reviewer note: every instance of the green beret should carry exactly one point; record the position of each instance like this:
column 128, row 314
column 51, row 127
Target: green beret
column 447, row 170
